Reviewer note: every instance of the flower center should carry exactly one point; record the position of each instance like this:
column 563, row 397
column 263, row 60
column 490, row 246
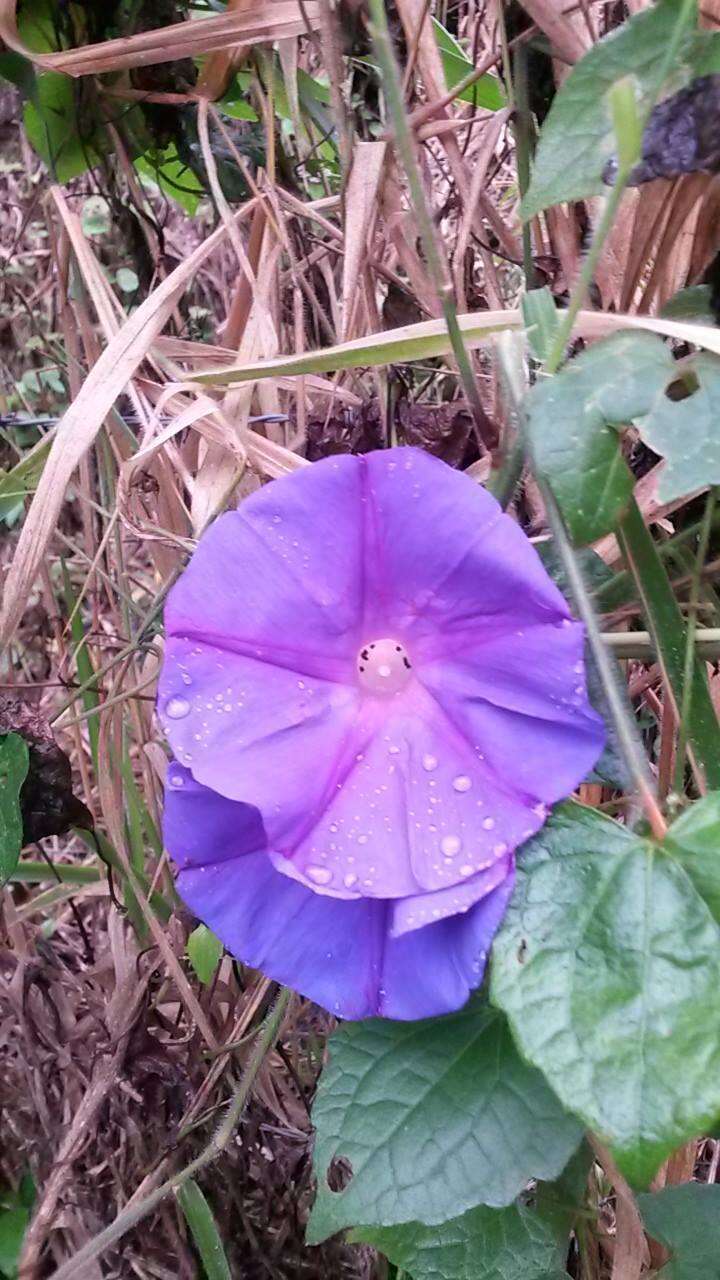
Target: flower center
column 383, row 667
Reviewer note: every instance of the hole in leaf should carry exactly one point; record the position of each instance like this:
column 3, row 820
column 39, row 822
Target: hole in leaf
column 683, row 387
column 339, row 1174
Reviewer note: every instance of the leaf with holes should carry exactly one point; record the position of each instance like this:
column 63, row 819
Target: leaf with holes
column 13, row 771
column 608, row 967
column 432, row 1118
column 526, row 1241
column 518, row 1243
column 685, row 432
column 577, row 138
column 571, row 421
column 687, row 1221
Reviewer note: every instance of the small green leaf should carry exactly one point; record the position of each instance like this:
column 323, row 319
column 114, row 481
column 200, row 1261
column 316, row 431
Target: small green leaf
column 577, row 137
column 58, row 129
column 172, row 176
column 434, row 1117
column 199, row 1217
column 571, row 421
column 204, row 952
column 13, row 1225
column 694, row 839
column 486, row 92
column 685, row 432
column 127, row 280
column 13, row 772
column 669, row 633
column 686, row 1220
column 692, row 303
column 541, row 321
column 608, row 967
column 95, row 216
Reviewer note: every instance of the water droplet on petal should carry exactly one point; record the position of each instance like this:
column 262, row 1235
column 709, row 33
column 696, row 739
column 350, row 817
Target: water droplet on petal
column 176, row 780
column 349, row 880
column 488, row 823
column 466, row 869
column 462, row 783
column 429, row 763
column 319, row 875
column 176, row 708
column 363, row 839
column 450, row 845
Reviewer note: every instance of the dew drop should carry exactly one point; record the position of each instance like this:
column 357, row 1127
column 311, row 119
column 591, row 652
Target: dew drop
column 319, row 875
column 450, row 845
column 429, row 763
column 176, row 780
column 488, row 823
column 393, row 750
column 349, row 880
column 462, row 783
column 363, row 839
column 466, row 869
column 176, row 708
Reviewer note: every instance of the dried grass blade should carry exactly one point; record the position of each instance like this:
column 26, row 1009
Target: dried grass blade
column 80, row 424
column 273, row 20
column 360, row 206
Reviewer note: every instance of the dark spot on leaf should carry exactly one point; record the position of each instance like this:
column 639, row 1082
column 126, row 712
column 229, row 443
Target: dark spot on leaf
column 522, row 951
column 339, row 1174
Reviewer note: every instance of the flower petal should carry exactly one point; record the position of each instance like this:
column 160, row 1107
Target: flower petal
column 201, row 827
column 338, row 953
column 446, row 557
column 521, row 703
column 255, row 732
column 283, row 574
column 414, row 810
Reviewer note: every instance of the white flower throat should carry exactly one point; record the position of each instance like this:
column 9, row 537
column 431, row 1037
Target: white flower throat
column 384, row 667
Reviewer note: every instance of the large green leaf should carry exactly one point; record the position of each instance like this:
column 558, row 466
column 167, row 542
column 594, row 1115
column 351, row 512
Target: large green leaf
column 687, row 1221
column 519, row 1243
column 686, row 432
column 13, row 772
column 608, row 966
column 694, row 839
column 577, row 137
column 434, row 1117
column 571, row 419
column 526, row 1241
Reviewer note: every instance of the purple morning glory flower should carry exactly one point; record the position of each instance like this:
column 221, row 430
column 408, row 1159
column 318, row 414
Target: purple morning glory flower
column 373, row 691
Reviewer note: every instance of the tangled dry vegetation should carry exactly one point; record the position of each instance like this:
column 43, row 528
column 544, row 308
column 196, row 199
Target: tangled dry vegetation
column 116, row 1062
